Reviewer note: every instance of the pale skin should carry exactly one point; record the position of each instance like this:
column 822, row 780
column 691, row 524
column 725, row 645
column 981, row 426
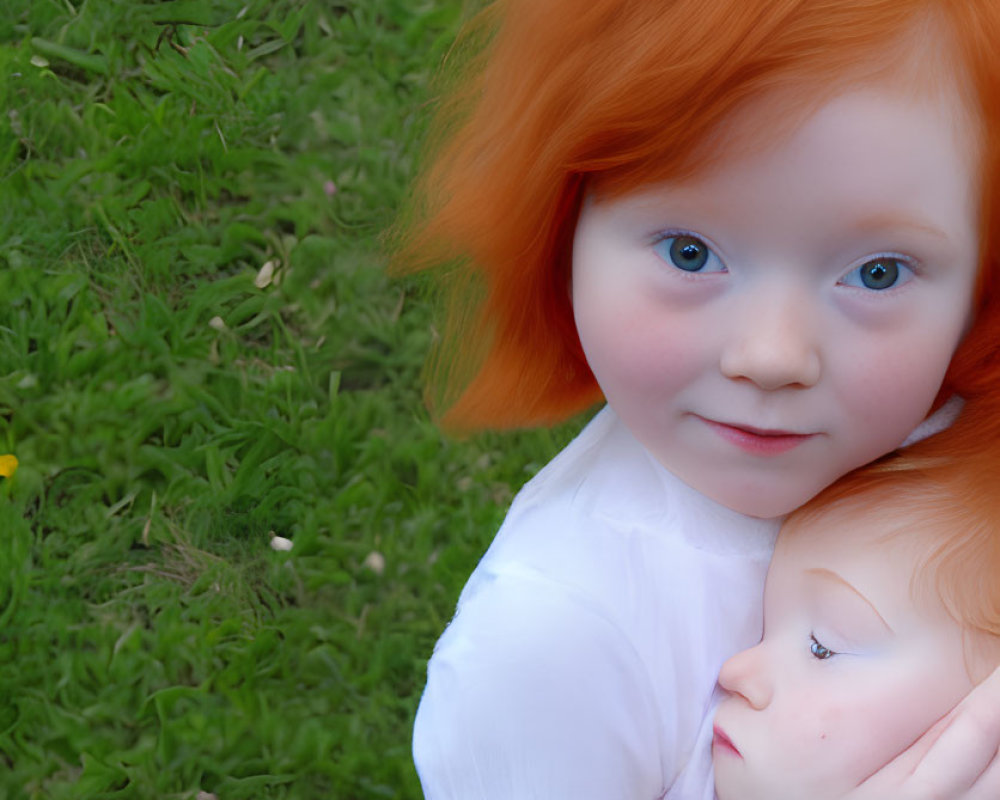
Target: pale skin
column 856, row 662
column 788, row 315
column 771, row 370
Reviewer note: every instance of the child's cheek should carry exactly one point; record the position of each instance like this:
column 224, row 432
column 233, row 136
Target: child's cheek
column 888, row 395
column 640, row 349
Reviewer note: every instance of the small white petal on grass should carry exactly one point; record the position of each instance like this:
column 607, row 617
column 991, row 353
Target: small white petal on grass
column 206, row 796
column 39, row 61
column 218, row 323
column 18, row 127
column 375, row 561
column 329, row 188
column 29, row 381
column 280, row 542
column 266, row 274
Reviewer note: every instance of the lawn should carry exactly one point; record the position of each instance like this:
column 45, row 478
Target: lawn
column 199, row 348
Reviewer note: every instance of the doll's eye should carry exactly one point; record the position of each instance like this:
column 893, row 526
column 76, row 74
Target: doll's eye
column 818, row 650
column 688, row 253
column 878, row 274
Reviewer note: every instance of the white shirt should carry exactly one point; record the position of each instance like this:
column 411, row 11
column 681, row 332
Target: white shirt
column 582, row 659
column 583, row 656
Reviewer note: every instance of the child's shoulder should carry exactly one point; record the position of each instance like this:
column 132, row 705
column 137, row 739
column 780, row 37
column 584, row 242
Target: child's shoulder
column 607, row 483
column 603, row 470
column 604, row 512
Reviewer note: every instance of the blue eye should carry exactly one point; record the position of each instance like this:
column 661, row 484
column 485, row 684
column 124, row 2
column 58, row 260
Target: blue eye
column 879, row 274
column 688, row 253
column 819, row 651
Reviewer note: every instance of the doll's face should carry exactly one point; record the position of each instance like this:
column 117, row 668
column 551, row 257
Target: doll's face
column 789, row 315
column 849, row 673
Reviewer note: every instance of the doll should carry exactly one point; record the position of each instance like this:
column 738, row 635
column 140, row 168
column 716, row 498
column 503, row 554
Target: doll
column 762, row 230
column 881, row 611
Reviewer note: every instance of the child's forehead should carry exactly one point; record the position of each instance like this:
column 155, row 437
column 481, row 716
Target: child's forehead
column 923, row 64
column 768, row 122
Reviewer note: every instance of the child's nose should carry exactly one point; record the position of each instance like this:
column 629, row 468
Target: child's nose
column 746, row 674
column 773, row 343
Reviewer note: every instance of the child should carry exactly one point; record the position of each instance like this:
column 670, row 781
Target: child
column 764, row 231
column 882, row 610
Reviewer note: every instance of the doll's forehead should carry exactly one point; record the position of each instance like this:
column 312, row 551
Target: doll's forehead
column 866, row 528
column 896, row 535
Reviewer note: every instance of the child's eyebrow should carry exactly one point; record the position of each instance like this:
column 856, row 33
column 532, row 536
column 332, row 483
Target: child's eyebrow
column 829, row 574
column 889, row 220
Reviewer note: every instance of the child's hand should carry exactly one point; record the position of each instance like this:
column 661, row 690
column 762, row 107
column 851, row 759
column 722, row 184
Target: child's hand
column 957, row 759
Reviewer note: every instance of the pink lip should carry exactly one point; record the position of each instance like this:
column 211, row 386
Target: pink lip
column 757, row 441
column 723, row 743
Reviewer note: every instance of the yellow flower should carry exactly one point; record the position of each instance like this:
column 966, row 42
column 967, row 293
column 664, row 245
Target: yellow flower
column 8, row 466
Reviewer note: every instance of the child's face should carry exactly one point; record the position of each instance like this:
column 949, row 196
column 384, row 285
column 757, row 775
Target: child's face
column 790, row 314
column 852, row 669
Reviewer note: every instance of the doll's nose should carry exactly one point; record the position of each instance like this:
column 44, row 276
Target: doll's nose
column 773, row 343
column 747, row 675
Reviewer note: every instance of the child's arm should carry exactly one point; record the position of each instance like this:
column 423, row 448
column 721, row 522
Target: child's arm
column 532, row 694
column 957, row 759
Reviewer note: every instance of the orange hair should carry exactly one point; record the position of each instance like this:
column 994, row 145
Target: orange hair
column 561, row 95
column 951, row 483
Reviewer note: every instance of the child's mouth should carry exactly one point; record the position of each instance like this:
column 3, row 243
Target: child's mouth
column 758, row 441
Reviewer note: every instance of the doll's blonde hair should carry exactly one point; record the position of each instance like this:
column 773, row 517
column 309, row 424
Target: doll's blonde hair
column 555, row 97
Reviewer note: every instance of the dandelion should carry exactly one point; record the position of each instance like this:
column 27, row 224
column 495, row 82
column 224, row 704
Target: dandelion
column 8, row 466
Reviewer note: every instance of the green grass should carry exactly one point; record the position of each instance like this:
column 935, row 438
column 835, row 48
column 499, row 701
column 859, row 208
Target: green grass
column 170, row 409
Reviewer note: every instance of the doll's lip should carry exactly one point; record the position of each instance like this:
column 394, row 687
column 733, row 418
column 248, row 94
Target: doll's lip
column 758, row 441
column 723, row 744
